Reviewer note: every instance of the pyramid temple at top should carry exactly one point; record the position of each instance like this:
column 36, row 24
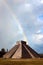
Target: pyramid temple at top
column 21, row 50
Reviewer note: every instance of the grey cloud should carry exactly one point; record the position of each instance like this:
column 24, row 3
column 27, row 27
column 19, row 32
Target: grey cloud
column 9, row 29
column 28, row 19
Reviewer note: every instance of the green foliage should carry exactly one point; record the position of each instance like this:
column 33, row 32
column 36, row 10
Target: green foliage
column 3, row 50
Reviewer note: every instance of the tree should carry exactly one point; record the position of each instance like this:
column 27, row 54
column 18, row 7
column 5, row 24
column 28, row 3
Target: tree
column 3, row 50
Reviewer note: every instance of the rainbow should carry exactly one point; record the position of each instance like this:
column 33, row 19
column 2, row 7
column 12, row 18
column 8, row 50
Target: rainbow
column 16, row 19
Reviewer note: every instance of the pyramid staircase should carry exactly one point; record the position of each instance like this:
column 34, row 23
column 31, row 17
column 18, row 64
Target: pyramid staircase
column 21, row 50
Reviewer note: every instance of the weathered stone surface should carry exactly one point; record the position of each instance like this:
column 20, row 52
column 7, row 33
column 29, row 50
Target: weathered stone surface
column 21, row 50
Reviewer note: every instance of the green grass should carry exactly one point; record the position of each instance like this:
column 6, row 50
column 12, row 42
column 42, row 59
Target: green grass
column 21, row 61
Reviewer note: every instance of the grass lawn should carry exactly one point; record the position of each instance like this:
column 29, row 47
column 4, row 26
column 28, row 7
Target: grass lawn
column 21, row 61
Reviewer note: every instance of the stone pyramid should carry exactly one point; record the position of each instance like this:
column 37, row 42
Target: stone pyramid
column 21, row 50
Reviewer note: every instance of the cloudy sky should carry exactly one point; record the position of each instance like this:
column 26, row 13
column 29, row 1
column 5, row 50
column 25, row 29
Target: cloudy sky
column 21, row 20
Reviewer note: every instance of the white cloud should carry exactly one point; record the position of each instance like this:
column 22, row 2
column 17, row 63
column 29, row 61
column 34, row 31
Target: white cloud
column 37, row 38
column 39, row 31
column 18, row 1
column 28, row 12
column 23, row 8
column 41, row 1
column 31, row 20
column 27, row 5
